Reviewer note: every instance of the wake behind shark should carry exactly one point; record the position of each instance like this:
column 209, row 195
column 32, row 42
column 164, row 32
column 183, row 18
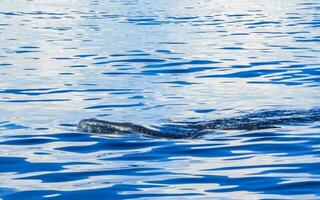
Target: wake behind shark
column 251, row 121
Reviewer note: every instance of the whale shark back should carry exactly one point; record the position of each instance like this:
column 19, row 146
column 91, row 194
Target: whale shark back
column 251, row 121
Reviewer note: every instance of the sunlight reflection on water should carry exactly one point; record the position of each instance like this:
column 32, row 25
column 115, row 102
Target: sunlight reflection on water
column 148, row 63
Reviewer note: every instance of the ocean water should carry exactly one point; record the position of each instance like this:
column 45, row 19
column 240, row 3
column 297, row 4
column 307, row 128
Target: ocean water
column 152, row 62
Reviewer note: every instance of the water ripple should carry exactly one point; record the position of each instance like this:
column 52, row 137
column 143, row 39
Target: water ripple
column 150, row 63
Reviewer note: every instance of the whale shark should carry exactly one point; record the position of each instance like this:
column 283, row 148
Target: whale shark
column 264, row 119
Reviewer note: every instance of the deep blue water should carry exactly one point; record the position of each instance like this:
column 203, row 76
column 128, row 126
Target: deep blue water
column 151, row 62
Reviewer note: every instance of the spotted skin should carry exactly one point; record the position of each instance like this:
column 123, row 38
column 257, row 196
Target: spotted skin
column 252, row 121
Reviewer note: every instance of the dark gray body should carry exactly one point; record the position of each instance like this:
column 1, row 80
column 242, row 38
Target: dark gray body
column 251, row 121
column 107, row 127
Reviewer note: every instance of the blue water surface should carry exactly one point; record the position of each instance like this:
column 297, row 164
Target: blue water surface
column 152, row 62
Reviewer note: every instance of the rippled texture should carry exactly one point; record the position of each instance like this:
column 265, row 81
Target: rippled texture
column 150, row 62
